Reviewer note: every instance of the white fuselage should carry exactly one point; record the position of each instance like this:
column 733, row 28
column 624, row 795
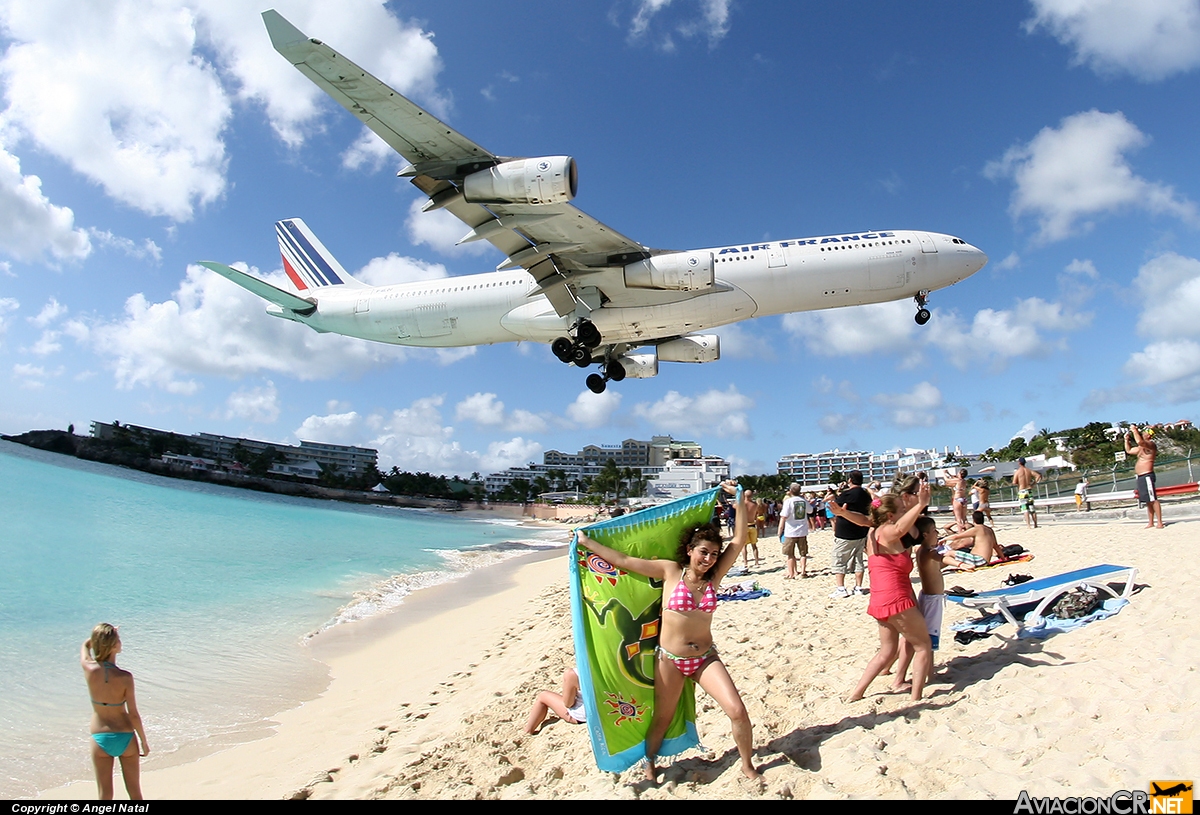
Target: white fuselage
column 752, row 280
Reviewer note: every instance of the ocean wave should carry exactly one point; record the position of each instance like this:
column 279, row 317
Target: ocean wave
column 385, row 595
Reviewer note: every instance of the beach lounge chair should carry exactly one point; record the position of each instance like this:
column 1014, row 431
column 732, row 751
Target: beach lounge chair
column 1046, row 590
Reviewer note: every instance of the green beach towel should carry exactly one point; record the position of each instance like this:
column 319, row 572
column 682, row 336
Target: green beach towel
column 615, row 620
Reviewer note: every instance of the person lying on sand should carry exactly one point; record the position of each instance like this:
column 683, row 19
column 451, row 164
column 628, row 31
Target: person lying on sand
column 571, row 711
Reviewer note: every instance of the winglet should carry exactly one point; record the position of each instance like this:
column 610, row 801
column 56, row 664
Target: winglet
column 283, row 34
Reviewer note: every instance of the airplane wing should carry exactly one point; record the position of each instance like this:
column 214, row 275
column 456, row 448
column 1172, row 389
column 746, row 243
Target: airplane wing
column 556, row 243
column 266, row 291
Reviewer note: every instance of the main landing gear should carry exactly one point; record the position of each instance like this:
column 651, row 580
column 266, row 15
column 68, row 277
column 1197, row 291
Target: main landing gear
column 581, row 352
column 923, row 314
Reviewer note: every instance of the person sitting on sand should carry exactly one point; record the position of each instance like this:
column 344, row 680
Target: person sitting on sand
column 685, row 644
column 892, row 603
column 571, row 711
column 979, row 552
column 116, row 724
column 931, row 601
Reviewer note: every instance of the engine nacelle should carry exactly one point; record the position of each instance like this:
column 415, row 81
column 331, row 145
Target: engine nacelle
column 692, row 348
column 538, row 181
column 677, row 271
column 642, row 365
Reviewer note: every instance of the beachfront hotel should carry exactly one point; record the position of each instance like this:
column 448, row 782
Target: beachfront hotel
column 812, row 470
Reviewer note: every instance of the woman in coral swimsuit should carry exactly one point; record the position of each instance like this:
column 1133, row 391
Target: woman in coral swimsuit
column 892, row 603
column 686, row 648
column 116, row 725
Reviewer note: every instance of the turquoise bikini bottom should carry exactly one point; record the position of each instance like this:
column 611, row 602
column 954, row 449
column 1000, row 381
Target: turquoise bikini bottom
column 113, row 743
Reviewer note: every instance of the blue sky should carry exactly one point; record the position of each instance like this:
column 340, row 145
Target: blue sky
column 1056, row 135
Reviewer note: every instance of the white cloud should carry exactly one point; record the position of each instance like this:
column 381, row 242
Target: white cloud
column 513, row 453
column 923, row 406
column 1169, row 286
column 33, row 377
column 47, row 344
column 212, row 327
column 739, row 341
column 1167, row 369
column 485, row 410
column 31, row 226
column 398, row 269
column 1066, row 176
column 1000, row 335
column 712, row 21
column 49, row 313
column 147, row 249
column 138, row 107
column 1012, row 261
column 334, row 428
column 6, row 304
column 259, row 405
column 593, row 410
column 1027, row 431
column 135, row 108
column 370, row 152
column 881, row 328
column 1148, row 39
column 415, row 439
column 1173, row 363
column 400, row 54
column 722, row 413
column 1082, row 268
column 441, row 231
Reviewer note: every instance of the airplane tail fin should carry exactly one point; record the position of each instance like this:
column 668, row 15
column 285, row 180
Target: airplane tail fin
column 306, row 261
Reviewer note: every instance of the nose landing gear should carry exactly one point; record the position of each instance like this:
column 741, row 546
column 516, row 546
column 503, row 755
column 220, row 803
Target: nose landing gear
column 923, row 314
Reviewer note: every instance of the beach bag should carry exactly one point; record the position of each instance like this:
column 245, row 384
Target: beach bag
column 1077, row 603
column 1014, row 549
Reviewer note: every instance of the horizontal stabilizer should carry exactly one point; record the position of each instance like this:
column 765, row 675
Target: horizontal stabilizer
column 263, row 289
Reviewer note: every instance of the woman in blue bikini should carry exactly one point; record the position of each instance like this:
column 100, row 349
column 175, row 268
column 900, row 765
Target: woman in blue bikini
column 115, row 718
column 686, row 649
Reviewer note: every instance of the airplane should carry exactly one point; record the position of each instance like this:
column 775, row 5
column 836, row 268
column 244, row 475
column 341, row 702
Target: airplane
column 1171, row 791
column 595, row 295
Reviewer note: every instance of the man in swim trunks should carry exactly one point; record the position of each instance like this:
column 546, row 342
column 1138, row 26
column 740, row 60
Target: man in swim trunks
column 982, row 548
column 1024, row 479
column 1146, row 451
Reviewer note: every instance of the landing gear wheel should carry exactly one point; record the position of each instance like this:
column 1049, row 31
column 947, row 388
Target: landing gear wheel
column 923, row 316
column 588, row 334
column 581, row 356
column 596, row 383
column 561, row 348
column 614, row 370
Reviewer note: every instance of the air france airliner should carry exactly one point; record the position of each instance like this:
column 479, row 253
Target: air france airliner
column 597, row 297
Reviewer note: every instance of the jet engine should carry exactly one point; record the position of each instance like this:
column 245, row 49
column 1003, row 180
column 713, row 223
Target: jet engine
column 691, row 348
column 642, row 365
column 677, row 271
column 538, row 181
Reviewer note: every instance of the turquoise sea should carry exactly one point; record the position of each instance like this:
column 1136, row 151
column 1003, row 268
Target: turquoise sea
column 216, row 591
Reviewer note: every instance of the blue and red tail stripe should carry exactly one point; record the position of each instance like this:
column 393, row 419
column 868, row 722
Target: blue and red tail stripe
column 304, row 258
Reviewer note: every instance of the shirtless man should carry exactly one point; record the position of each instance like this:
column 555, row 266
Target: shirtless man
column 1024, row 479
column 983, row 546
column 1145, row 449
column 959, row 500
column 985, row 498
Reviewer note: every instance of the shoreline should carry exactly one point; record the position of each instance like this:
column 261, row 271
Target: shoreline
column 340, row 721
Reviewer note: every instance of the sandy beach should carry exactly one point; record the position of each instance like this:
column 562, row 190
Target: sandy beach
column 430, row 700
